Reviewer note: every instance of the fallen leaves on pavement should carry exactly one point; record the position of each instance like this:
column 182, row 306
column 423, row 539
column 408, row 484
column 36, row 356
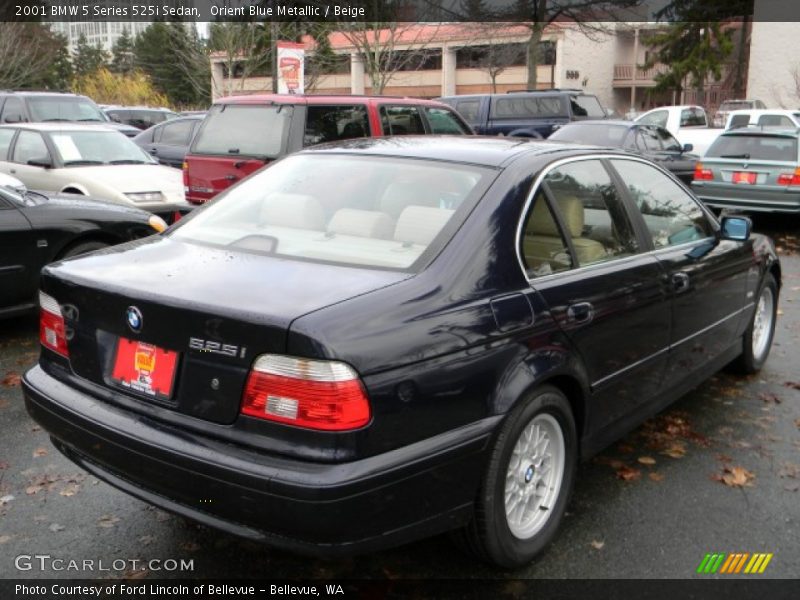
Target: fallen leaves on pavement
column 656, row 476
column 598, row 545
column 40, row 451
column 735, row 477
column 108, row 521
column 646, row 460
column 627, row 473
column 11, row 379
column 769, row 398
column 675, row 450
column 792, row 384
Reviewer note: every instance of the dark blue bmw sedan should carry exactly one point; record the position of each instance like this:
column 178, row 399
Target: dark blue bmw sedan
column 372, row 342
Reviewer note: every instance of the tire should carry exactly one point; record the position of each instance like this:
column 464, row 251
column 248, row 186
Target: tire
column 757, row 338
column 511, row 533
column 82, row 248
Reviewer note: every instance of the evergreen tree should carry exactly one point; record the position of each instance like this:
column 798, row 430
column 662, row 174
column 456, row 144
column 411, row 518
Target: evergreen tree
column 123, row 58
column 88, row 59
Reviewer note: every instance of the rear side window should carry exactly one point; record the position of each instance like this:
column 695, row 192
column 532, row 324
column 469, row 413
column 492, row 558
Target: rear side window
column 469, row 110
column 176, row 134
column 6, row 135
column 401, row 120
column 526, row 107
column 244, row 130
column 671, row 215
column 587, row 107
column 12, row 111
column 29, row 146
column 775, row 121
column 739, row 121
column 693, row 117
column 754, row 147
column 331, row 123
column 443, row 121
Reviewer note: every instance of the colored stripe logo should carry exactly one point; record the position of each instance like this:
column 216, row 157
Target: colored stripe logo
column 734, row 564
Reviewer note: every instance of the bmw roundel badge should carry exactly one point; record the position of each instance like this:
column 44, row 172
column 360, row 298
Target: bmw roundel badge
column 135, row 319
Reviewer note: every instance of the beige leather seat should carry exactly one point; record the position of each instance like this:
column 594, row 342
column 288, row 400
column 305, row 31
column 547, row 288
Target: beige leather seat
column 543, row 243
column 420, row 224
column 362, row 223
column 293, row 210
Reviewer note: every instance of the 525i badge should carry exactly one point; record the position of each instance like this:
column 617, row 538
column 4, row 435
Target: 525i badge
column 217, row 347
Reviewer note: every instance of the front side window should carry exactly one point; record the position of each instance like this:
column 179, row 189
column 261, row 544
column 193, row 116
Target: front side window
column 401, row 120
column 254, row 130
column 6, row 135
column 648, row 140
column 30, row 146
column 331, row 123
column 469, row 109
column 596, row 225
column 12, row 111
column 388, row 213
column 445, row 122
column 64, row 108
column 671, row 215
column 176, row 134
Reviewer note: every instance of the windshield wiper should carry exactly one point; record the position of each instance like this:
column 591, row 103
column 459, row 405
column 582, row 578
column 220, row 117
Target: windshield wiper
column 92, row 119
column 56, row 120
column 68, row 163
column 128, row 161
column 735, row 156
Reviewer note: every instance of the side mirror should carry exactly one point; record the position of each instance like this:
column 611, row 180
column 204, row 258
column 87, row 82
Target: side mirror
column 43, row 162
column 12, row 119
column 688, row 147
column 736, row 228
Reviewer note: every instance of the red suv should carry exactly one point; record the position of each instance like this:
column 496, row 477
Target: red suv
column 243, row 133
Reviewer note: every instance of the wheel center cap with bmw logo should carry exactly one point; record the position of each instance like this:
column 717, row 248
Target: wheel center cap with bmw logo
column 135, row 319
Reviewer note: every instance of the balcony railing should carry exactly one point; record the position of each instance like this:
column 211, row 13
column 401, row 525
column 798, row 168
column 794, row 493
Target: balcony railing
column 625, row 73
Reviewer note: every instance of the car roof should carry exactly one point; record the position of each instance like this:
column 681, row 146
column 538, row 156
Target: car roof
column 608, row 123
column 489, row 151
column 765, row 111
column 547, row 92
column 156, row 108
column 40, row 93
column 60, row 126
column 326, row 99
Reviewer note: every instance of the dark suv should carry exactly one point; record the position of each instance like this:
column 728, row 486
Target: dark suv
column 140, row 117
column 38, row 107
column 525, row 114
column 241, row 134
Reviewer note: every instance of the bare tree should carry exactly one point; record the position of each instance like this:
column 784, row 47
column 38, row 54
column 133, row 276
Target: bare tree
column 379, row 46
column 495, row 53
column 245, row 51
column 25, row 53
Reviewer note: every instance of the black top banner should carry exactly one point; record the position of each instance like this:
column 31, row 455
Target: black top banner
column 398, row 10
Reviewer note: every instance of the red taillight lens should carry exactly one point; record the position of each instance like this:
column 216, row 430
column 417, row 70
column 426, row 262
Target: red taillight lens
column 701, row 174
column 185, row 169
column 316, row 394
column 176, row 216
column 51, row 325
column 789, row 178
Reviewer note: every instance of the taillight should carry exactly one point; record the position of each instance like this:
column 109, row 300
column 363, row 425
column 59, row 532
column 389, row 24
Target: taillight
column 789, row 178
column 701, row 174
column 316, row 394
column 185, row 169
column 51, row 325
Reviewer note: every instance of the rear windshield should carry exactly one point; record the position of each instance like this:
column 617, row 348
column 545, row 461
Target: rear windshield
column 516, row 106
column 593, row 135
column 757, row 147
column 387, row 212
column 66, row 108
column 586, row 107
column 244, row 130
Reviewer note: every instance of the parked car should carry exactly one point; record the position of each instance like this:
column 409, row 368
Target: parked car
column 42, row 107
column 37, row 228
column 653, row 142
column 243, row 133
column 730, row 105
column 91, row 160
column 688, row 123
column 169, row 141
column 430, row 343
column 775, row 117
column 751, row 170
column 139, row 117
column 525, row 114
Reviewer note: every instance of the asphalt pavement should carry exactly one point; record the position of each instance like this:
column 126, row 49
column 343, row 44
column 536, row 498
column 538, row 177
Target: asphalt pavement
column 719, row 472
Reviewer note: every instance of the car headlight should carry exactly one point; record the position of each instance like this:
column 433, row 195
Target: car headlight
column 157, row 223
column 145, row 196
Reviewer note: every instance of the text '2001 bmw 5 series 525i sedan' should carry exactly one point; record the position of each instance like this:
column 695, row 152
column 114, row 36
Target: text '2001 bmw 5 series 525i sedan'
column 379, row 340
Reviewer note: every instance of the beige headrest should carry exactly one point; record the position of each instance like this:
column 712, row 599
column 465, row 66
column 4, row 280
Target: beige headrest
column 420, row 224
column 293, row 210
column 542, row 222
column 362, row 223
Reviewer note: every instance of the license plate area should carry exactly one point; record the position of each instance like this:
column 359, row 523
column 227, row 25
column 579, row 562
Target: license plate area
column 144, row 369
column 744, row 177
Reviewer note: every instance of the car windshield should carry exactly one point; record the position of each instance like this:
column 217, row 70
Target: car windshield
column 244, row 130
column 592, row 134
column 754, row 147
column 82, row 148
column 64, row 108
column 363, row 211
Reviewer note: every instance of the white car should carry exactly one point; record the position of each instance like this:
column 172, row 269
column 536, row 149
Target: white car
column 688, row 123
column 767, row 117
column 91, row 160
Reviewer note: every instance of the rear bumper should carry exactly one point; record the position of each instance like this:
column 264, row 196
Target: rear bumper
column 312, row 508
column 748, row 198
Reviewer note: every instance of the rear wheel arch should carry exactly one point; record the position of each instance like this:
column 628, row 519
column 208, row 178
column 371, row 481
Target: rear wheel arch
column 73, row 188
column 94, row 237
